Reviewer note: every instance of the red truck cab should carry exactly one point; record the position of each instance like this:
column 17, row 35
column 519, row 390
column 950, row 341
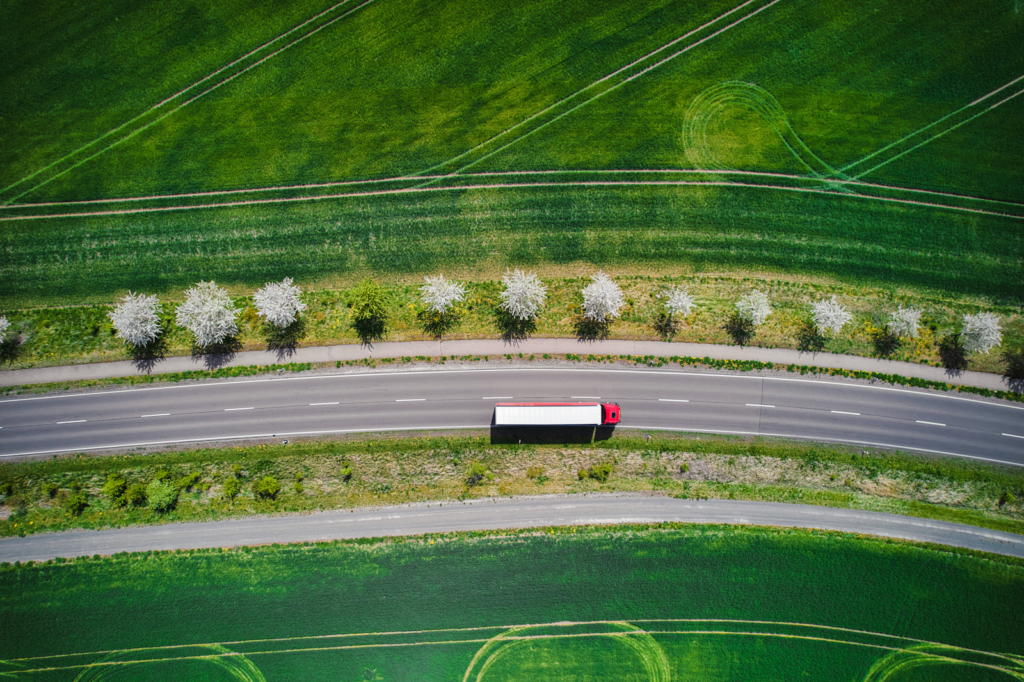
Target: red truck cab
column 612, row 413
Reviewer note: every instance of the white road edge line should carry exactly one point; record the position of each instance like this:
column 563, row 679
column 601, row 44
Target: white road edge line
column 410, row 400
column 236, row 409
column 76, row 421
column 312, row 404
column 929, row 423
column 162, row 414
column 671, row 400
column 496, row 397
column 855, row 414
column 758, row 405
column 585, row 397
column 1011, row 435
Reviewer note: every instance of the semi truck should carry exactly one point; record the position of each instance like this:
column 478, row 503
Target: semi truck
column 556, row 414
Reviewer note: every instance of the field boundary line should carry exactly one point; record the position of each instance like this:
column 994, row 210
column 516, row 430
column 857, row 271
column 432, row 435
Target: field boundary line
column 185, row 103
column 524, row 185
column 587, row 87
column 413, row 178
column 617, row 85
column 527, row 638
column 392, row 633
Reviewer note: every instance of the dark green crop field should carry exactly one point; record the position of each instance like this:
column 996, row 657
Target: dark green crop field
column 708, row 603
column 147, row 145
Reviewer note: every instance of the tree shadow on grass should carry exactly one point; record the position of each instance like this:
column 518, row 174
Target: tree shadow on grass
column 11, row 349
column 586, row 329
column 953, row 355
column 146, row 357
column 666, row 326
column 217, row 355
column 740, row 329
column 809, row 340
column 284, row 340
column 437, row 324
column 370, row 330
column 513, row 330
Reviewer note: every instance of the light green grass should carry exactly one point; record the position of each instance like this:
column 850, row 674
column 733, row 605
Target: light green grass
column 395, row 90
column 622, row 603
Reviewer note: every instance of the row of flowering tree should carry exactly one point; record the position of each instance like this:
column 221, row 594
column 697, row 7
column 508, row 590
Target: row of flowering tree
column 209, row 314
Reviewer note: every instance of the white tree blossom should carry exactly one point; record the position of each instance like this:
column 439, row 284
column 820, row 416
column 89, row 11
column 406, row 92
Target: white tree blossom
column 754, row 307
column 904, row 322
column 981, row 333
column 830, row 316
column 440, row 294
column 208, row 313
column 136, row 319
column 524, row 294
column 279, row 303
column 602, row 298
column 678, row 301
column 4, row 326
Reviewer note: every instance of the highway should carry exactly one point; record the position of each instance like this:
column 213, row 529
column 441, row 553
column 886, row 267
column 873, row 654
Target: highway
column 485, row 514
column 439, row 398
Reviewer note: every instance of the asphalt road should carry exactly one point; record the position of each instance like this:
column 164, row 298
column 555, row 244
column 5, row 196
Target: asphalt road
column 464, row 398
column 497, row 514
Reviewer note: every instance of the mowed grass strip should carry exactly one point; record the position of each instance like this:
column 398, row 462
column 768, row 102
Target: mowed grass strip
column 633, row 576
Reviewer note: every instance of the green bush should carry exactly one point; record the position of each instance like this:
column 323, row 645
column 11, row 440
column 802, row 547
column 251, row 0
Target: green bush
column 597, row 472
column 684, row 467
column 76, row 502
column 188, row 480
column 267, row 488
column 534, row 472
column 50, row 489
column 115, row 488
column 136, row 495
column 369, row 301
column 477, row 474
column 346, row 472
column 231, row 488
column 1007, row 498
column 162, row 496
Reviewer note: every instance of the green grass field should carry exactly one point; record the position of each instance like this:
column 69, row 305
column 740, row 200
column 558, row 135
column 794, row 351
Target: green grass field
column 691, row 602
column 873, row 143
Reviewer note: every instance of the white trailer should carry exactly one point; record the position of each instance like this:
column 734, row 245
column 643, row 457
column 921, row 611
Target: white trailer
column 555, row 414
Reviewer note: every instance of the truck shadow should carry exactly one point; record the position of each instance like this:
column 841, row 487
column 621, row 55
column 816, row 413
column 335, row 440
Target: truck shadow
column 550, row 435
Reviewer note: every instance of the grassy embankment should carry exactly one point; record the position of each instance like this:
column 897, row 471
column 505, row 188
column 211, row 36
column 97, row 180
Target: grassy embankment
column 635, row 602
column 367, row 471
column 84, row 334
column 393, row 90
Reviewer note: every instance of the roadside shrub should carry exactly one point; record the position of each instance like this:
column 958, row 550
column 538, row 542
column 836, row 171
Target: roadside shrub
column 162, row 496
column 345, row 472
column 952, row 353
column 115, row 488
column 1007, row 498
column 50, row 490
column 187, row 481
column 135, row 496
column 267, row 488
column 76, row 502
column 597, row 472
column 684, row 468
column 231, row 488
column 162, row 475
column 477, row 474
column 534, row 472
column 298, row 483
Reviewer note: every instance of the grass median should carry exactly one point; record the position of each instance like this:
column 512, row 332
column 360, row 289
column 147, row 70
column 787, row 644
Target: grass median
column 206, row 484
